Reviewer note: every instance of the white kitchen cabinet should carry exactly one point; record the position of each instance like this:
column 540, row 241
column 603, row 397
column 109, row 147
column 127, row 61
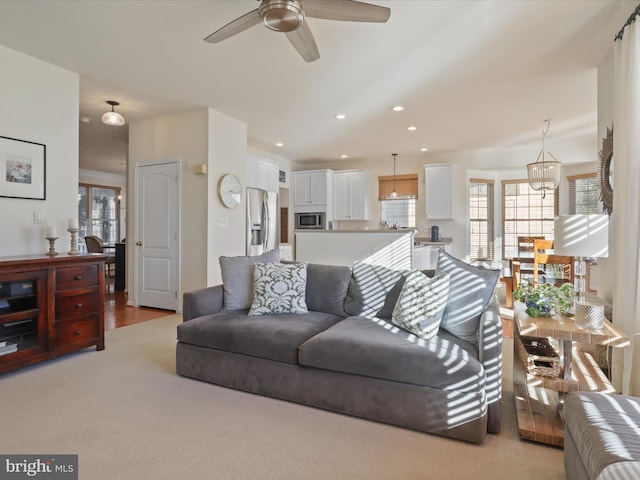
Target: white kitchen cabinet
column 262, row 173
column 351, row 195
column 311, row 188
column 438, row 191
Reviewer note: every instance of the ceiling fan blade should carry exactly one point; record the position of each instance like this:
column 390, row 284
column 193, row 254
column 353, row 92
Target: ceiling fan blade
column 240, row 24
column 303, row 41
column 345, row 10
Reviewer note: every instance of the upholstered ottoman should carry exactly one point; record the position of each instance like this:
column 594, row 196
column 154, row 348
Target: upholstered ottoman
column 602, row 436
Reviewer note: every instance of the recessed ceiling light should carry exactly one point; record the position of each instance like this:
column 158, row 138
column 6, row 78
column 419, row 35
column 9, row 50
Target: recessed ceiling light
column 412, row 128
column 398, row 108
column 424, row 149
column 341, row 116
column 279, row 144
column 344, row 156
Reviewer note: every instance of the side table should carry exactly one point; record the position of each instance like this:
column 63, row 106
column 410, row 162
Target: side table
column 539, row 399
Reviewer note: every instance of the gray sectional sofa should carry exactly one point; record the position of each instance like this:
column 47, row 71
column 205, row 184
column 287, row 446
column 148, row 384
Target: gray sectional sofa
column 340, row 357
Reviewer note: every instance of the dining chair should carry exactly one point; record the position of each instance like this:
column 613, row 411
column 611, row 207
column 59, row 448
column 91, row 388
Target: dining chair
column 96, row 245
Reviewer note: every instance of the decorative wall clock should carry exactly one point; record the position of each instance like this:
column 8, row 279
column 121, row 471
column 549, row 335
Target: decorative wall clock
column 605, row 172
column 230, row 190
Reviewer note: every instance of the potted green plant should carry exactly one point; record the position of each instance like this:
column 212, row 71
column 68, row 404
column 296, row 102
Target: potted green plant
column 545, row 299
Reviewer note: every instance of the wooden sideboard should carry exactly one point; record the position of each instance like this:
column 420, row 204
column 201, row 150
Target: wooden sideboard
column 50, row 306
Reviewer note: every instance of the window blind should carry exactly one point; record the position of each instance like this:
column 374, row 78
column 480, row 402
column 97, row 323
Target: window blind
column 406, row 186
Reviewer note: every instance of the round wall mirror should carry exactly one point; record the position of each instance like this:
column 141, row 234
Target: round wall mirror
column 606, row 172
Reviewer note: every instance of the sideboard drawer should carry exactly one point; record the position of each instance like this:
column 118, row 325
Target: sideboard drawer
column 77, row 305
column 72, row 331
column 76, row 277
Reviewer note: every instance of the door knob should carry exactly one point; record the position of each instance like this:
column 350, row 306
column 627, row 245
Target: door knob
column 139, row 243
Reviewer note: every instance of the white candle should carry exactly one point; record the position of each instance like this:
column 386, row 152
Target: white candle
column 73, row 223
column 52, row 232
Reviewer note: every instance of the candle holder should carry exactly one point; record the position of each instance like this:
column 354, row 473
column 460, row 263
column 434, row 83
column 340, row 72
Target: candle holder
column 74, row 241
column 52, row 246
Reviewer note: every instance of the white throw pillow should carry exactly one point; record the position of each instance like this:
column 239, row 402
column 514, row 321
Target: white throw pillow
column 421, row 303
column 279, row 288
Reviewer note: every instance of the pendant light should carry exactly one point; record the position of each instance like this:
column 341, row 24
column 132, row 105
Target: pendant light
column 394, row 194
column 544, row 174
column 113, row 118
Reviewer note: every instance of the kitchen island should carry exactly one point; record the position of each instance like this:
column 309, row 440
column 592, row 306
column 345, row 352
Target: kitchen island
column 389, row 248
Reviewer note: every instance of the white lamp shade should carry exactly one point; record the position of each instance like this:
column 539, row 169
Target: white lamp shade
column 581, row 235
column 113, row 118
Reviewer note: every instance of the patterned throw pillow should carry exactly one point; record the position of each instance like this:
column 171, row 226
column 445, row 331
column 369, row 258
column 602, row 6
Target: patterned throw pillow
column 421, row 303
column 279, row 288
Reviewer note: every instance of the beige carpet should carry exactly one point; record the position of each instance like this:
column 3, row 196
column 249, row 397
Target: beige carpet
column 127, row 415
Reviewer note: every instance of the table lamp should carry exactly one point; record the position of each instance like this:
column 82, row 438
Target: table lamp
column 581, row 236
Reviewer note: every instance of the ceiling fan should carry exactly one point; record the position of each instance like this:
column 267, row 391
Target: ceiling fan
column 288, row 16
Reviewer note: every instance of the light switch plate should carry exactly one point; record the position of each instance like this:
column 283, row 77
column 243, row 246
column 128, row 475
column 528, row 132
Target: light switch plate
column 38, row 216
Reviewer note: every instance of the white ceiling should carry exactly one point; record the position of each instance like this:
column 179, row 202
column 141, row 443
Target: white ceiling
column 471, row 74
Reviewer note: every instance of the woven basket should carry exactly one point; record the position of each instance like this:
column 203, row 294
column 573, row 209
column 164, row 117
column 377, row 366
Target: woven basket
column 538, row 356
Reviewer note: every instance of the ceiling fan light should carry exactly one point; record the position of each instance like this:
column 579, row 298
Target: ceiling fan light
column 281, row 16
column 113, row 118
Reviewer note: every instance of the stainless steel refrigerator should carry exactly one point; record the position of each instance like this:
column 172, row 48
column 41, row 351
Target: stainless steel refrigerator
column 262, row 221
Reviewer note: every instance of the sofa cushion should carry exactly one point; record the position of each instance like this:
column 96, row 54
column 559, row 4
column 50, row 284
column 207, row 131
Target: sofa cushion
column 378, row 349
column 421, row 303
column 279, row 288
column 275, row 337
column 369, row 287
column 470, row 291
column 327, row 287
column 237, row 278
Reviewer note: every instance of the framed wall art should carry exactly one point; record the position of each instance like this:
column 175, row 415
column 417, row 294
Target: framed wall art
column 23, row 169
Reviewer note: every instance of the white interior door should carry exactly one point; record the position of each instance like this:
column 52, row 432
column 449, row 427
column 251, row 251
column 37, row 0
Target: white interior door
column 157, row 275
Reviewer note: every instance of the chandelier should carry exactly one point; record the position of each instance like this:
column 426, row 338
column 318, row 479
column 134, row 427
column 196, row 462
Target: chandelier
column 544, row 174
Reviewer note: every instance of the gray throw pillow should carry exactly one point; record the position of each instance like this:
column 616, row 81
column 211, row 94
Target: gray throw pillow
column 279, row 288
column 421, row 304
column 237, row 278
column 369, row 288
column 327, row 287
column 470, row 291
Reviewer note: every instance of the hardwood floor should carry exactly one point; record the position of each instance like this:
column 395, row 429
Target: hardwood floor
column 118, row 314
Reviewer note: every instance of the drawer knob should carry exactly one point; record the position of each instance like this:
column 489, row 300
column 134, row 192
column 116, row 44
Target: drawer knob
column 78, row 332
column 79, row 305
column 78, row 277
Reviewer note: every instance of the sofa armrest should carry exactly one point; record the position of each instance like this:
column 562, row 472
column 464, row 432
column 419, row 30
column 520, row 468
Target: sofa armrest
column 202, row 302
column 490, row 355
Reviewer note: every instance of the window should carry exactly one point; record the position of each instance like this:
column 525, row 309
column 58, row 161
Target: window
column 401, row 210
column 527, row 212
column 99, row 212
column 481, row 219
column 584, row 194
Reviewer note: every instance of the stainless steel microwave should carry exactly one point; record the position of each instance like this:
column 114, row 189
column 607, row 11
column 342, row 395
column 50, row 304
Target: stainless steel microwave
column 316, row 220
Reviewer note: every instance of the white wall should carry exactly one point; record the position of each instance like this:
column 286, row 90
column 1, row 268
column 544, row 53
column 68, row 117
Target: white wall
column 605, row 269
column 40, row 104
column 226, row 227
column 208, row 229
